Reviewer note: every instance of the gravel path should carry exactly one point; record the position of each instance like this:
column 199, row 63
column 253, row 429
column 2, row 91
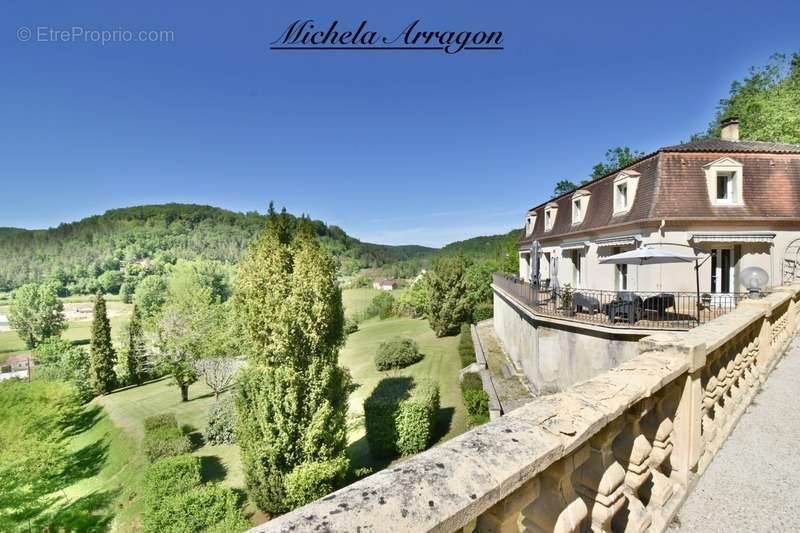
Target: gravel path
column 512, row 393
column 753, row 484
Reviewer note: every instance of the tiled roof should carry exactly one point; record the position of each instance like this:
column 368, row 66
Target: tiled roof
column 720, row 145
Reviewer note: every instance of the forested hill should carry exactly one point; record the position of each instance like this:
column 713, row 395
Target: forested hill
column 100, row 252
column 484, row 247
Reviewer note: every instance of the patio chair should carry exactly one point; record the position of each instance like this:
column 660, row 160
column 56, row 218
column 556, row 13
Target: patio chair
column 627, row 306
column 584, row 302
column 658, row 305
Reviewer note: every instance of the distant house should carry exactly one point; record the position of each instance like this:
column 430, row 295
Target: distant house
column 384, row 284
column 16, row 367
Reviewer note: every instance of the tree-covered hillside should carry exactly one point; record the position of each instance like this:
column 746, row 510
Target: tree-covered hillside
column 122, row 245
column 483, row 247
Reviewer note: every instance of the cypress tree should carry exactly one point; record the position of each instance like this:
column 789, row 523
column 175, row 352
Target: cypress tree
column 292, row 396
column 102, row 356
column 136, row 348
column 448, row 305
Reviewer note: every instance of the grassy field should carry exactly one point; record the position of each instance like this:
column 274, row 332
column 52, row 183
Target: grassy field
column 77, row 330
column 357, row 300
column 441, row 363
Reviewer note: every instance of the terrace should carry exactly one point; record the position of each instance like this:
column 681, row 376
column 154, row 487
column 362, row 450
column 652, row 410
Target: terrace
column 676, row 311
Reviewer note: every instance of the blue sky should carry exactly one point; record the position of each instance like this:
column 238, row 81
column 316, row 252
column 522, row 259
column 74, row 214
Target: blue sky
column 395, row 147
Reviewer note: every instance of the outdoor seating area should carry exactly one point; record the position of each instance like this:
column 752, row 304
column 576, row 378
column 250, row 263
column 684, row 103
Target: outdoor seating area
column 621, row 309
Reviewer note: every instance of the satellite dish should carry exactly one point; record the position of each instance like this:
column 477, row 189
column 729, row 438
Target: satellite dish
column 754, row 278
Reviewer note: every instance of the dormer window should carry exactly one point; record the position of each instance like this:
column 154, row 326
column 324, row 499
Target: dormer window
column 625, row 185
column 550, row 212
column 724, row 181
column 530, row 223
column 580, row 204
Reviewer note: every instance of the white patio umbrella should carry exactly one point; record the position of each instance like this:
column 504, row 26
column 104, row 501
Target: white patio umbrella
column 647, row 255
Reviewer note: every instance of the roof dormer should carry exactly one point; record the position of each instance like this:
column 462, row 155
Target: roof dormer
column 724, row 182
column 625, row 185
column 580, row 203
column 530, row 222
column 550, row 212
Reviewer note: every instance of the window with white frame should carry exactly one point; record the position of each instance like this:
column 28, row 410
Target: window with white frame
column 549, row 217
column 624, row 191
column 622, row 196
column 724, row 180
column 530, row 222
column 577, row 214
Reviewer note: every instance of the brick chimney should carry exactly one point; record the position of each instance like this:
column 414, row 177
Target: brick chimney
column 730, row 129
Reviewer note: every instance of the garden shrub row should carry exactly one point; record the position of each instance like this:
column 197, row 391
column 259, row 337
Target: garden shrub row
column 163, row 437
column 475, row 398
column 177, row 501
column 400, row 416
column 482, row 312
column 397, row 353
column 310, row 481
column 466, row 350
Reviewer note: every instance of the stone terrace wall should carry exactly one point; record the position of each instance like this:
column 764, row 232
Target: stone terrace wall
column 618, row 452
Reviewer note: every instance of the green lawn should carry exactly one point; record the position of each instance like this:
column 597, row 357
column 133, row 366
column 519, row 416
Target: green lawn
column 441, row 362
column 357, row 300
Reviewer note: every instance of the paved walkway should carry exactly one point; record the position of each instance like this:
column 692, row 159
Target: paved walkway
column 511, row 391
column 753, row 483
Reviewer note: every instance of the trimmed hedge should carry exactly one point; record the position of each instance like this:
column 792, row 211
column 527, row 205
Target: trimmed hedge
column 397, row 353
column 475, row 398
column 400, row 416
column 222, row 421
column 311, row 481
column 170, row 476
column 163, row 437
column 209, row 508
column 466, row 350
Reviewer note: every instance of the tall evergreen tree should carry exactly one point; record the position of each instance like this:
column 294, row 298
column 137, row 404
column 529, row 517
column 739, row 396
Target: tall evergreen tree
column 448, row 305
column 136, row 352
column 292, row 396
column 102, row 356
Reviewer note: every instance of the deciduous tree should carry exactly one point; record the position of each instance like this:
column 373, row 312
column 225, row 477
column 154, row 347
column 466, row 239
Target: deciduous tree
column 37, row 313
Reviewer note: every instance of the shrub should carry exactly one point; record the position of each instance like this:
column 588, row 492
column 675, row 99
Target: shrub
column 311, row 481
column 383, row 306
column 400, row 416
column 170, row 476
column 350, row 326
column 482, row 312
column 163, row 420
column 207, row 508
column 466, row 350
column 475, row 398
column 471, row 381
column 222, row 422
column 397, row 353
column 163, row 437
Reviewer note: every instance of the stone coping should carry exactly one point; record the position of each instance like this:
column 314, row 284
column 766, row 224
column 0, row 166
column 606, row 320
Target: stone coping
column 444, row 488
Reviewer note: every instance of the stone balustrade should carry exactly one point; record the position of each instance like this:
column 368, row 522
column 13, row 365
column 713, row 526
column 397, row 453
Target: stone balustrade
column 619, row 452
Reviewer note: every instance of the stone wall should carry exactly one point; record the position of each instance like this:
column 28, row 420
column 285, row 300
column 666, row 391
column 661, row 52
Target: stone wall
column 618, row 452
column 555, row 355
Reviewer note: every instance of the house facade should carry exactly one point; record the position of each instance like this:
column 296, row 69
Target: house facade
column 734, row 203
column 384, row 284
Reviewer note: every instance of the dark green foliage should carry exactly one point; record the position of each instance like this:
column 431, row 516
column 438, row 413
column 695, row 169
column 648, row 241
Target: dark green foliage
column 221, row 428
column 311, row 481
column 163, row 438
column 479, row 284
column 292, row 396
column 150, row 295
column 138, row 241
column 482, row 312
column 397, row 353
column 102, row 355
column 170, row 476
column 383, row 305
column 616, row 158
column 57, row 359
column 475, row 398
column 160, row 421
column 36, row 312
column 767, row 102
column 447, row 292
column 466, row 349
column 400, row 416
column 563, row 187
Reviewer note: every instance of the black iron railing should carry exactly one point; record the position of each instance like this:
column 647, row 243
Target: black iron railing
column 621, row 309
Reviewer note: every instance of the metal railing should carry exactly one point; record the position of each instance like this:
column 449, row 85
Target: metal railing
column 621, row 309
